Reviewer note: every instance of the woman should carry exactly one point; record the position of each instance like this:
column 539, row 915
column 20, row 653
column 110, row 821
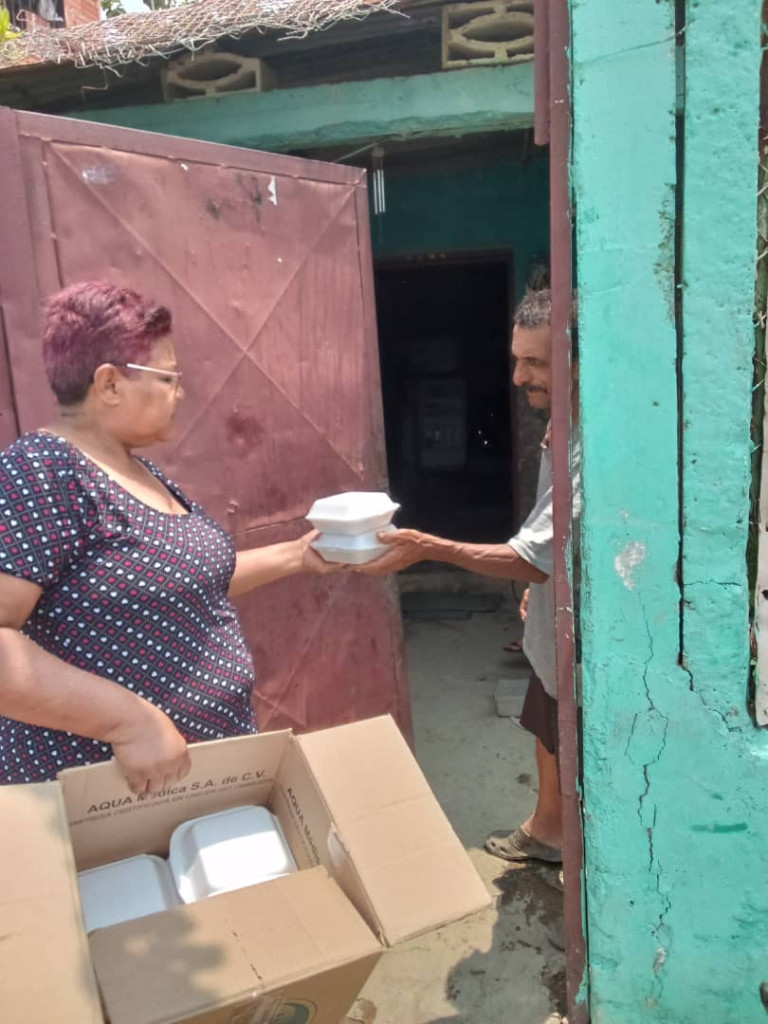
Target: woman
column 117, row 635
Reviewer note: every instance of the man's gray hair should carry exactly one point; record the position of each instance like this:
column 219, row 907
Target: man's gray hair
column 535, row 310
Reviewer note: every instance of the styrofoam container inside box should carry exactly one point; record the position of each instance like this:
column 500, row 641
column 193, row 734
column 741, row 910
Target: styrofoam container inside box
column 126, row 889
column 228, row 850
column 357, row 550
column 353, row 512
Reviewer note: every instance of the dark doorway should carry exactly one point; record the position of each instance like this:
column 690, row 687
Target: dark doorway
column 444, row 330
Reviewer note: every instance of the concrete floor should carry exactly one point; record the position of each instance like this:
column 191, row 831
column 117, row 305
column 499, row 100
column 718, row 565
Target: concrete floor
column 499, row 965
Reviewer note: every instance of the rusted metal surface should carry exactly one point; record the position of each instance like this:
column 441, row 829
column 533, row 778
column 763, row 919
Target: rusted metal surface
column 9, row 427
column 562, row 284
column 541, row 72
column 18, row 310
column 265, row 262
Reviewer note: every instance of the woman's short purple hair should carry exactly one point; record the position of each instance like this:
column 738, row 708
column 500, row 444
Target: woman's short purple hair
column 88, row 324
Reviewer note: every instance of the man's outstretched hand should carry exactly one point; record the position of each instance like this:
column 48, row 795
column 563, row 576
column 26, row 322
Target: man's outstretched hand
column 406, row 547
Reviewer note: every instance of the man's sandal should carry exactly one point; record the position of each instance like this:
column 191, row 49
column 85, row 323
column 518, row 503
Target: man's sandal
column 519, row 845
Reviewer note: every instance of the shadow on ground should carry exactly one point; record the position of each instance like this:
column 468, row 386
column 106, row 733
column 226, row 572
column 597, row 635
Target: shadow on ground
column 530, row 918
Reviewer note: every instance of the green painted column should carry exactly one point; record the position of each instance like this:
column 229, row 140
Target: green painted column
column 675, row 782
column 624, row 178
column 721, row 124
column 725, row 927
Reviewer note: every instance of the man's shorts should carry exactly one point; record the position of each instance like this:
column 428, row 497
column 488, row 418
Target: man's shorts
column 539, row 714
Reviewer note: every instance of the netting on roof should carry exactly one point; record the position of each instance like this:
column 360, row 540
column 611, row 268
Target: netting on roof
column 186, row 25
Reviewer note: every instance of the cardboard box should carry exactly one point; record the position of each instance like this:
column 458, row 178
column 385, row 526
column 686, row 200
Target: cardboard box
column 379, row 863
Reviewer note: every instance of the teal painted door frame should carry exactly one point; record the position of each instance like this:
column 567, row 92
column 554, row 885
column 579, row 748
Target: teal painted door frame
column 675, row 773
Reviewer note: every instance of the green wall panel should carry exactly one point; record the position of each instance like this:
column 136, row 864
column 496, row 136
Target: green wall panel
column 721, row 74
column 624, row 179
column 495, row 206
column 448, row 103
column 725, row 934
column 675, row 773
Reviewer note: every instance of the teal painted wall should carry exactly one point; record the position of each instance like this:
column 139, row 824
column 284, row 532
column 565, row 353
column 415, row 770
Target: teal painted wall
column 447, row 103
column 497, row 205
column 675, row 774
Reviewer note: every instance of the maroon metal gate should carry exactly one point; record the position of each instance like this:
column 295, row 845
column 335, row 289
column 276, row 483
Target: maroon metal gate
column 265, row 262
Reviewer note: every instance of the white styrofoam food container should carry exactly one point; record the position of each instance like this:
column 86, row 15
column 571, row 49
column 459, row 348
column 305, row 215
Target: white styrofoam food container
column 126, row 889
column 228, row 850
column 352, row 512
column 357, row 550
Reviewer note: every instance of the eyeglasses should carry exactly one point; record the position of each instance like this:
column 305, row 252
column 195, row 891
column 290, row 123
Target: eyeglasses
column 171, row 376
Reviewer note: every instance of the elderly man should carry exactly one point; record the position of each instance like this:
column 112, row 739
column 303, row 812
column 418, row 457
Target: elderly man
column 528, row 556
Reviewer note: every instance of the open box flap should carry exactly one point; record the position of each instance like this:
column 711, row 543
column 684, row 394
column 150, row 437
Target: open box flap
column 414, row 871
column 184, row 962
column 310, row 830
column 108, row 822
column 45, row 968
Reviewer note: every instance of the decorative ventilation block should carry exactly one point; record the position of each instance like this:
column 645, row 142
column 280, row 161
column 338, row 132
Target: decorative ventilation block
column 476, row 34
column 212, row 73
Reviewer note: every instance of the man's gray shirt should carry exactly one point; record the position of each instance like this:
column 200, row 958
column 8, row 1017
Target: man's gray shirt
column 534, row 543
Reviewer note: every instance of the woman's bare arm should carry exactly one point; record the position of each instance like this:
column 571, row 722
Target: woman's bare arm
column 40, row 689
column 258, row 566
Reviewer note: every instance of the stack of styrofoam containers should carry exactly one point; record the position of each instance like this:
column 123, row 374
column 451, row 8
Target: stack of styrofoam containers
column 126, row 889
column 228, row 850
column 349, row 523
column 209, row 855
